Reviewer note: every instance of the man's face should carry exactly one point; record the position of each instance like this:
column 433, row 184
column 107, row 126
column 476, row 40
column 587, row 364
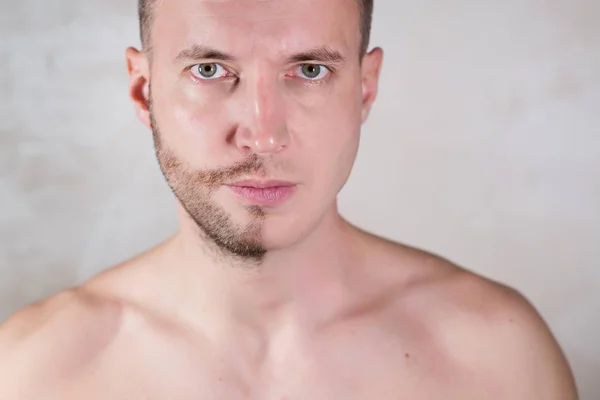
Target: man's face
column 270, row 92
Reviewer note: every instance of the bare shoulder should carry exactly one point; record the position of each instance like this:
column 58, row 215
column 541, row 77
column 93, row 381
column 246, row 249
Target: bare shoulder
column 58, row 338
column 489, row 330
column 89, row 311
column 495, row 332
column 55, row 337
column 60, row 317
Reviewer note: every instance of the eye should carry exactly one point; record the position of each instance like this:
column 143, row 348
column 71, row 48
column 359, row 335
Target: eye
column 208, row 71
column 313, row 72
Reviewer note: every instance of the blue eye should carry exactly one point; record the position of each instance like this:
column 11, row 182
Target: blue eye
column 313, row 72
column 208, row 71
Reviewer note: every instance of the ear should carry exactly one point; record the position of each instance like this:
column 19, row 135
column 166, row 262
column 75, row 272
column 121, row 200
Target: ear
column 139, row 83
column 371, row 68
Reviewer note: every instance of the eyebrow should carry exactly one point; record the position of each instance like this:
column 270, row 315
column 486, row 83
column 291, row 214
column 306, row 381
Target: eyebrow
column 320, row 54
column 199, row 52
column 323, row 54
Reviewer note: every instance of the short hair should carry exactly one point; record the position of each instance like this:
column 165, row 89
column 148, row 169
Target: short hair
column 365, row 8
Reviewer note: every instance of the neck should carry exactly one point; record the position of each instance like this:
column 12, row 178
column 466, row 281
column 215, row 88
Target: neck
column 307, row 281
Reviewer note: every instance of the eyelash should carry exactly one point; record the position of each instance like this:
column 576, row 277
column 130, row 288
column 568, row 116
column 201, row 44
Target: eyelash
column 204, row 81
column 311, row 82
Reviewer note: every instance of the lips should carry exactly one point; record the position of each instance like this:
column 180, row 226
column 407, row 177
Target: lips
column 263, row 192
column 262, row 184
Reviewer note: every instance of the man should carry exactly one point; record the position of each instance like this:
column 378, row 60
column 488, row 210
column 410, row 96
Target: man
column 266, row 292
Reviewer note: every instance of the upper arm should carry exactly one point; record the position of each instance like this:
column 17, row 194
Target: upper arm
column 52, row 339
column 506, row 343
column 500, row 341
column 530, row 361
column 17, row 347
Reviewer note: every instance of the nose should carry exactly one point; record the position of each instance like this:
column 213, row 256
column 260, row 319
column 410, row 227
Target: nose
column 262, row 128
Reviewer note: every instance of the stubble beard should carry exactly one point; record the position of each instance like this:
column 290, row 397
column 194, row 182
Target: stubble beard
column 233, row 243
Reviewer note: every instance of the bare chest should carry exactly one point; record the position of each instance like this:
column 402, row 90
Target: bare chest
column 375, row 371
column 321, row 384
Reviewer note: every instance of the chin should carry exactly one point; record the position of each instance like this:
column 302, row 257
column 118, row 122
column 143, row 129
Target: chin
column 280, row 232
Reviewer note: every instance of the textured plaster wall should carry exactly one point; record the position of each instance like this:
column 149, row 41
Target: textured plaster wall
column 484, row 147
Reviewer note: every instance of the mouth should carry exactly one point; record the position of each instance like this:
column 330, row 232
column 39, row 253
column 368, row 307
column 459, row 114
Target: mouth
column 266, row 193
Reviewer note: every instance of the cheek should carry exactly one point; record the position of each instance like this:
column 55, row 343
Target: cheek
column 201, row 111
column 193, row 123
column 332, row 116
column 329, row 134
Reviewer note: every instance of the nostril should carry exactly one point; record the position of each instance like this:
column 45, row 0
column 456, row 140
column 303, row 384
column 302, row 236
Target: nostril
column 261, row 140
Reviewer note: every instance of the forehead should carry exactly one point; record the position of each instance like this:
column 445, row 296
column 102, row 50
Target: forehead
column 250, row 27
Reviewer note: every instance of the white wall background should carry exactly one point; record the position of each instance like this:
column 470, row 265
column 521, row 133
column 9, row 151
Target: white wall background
column 484, row 147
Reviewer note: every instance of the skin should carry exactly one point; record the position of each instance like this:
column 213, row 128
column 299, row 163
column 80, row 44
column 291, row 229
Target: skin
column 281, row 302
